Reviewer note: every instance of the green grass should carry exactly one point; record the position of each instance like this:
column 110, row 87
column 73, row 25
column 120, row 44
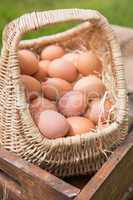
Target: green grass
column 117, row 11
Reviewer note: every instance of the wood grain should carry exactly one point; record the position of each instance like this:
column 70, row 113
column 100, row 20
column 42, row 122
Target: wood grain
column 9, row 188
column 113, row 179
column 36, row 184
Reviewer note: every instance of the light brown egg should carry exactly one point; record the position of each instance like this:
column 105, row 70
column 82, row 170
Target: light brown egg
column 54, row 88
column 28, row 62
column 79, row 125
column 40, row 104
column 32, row 86
column 71, row 57
column 98, row 109
column 60, row 68
column 86, row 62
column 91, row 85
column 52, row 124
column 42, row 72
column 78, row 78
column 52, row 52
column 73, row 103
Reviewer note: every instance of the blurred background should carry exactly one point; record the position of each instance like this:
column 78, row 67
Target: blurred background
column 117, row 11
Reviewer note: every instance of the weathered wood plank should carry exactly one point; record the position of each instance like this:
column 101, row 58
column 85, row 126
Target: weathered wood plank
column 78, row 181
column 113, row 179
column 9, row 189
column 36, row 184
column 129, row 194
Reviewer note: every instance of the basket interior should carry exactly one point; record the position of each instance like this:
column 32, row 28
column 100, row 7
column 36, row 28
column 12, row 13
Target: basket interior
column 90, row 39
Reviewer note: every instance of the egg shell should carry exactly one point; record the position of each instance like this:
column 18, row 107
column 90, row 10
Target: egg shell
column 91, row 85
column 88, row 63
column 78, row 78
column 39, row 105
column 32, row 86
column 28, row 62
column 42, row 72
column 98, row 109
column 71, row 57
column 54, row 88
column 52, row 52
column 52, row 124
column 73, row 103
column 79, row 125
column 60, row 68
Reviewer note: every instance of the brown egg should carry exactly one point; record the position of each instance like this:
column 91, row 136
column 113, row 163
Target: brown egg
column 78, row 78
column 91, row 85
column 73, row 103
column 60, row 68
column 79, row 125
column 52, row 124
column 42, row 72
column 98, row 110
column 52, row 52
column 32, row 86
column 40, row 104
column 54, row 88
column 86, row 62
column 71, row 57
column 28, row 62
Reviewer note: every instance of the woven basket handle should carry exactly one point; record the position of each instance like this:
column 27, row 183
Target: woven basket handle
column 36, row 20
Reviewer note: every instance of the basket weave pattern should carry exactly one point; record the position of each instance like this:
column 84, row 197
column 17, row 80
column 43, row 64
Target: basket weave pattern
column 75, row 155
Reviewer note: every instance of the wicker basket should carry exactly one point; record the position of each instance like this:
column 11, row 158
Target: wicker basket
column 67, row 156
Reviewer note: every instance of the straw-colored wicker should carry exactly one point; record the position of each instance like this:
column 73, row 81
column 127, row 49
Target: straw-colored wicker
column 67, row 156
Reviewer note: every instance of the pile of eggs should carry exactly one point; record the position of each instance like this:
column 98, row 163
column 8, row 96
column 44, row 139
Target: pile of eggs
column 64, row 90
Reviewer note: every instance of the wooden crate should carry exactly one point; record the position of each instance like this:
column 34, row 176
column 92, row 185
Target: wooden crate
column 20, row 180
column 28, row 182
